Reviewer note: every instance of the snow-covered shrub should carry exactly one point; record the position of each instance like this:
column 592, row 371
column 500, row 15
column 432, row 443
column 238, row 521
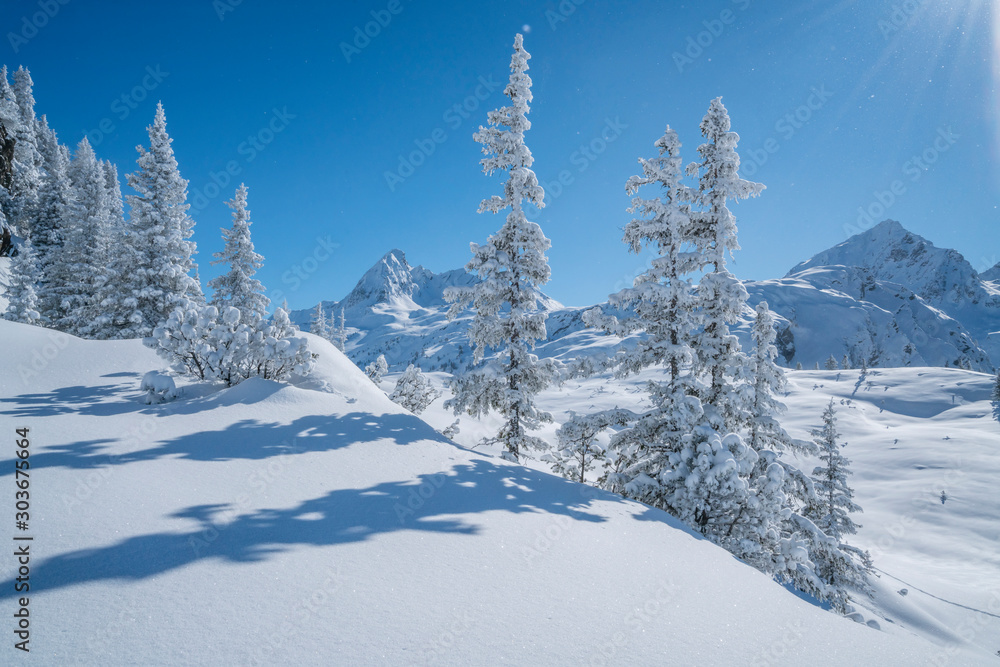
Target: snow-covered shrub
column 376, row 369
column 413, row 391
column 577, row 452
column 159, row 388
column 198, row 341
column 451, row 431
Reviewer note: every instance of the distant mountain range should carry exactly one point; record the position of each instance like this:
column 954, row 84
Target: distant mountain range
column 885, row 297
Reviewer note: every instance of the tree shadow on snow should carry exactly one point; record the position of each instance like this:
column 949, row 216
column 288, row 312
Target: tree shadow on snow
column 443, row 502
column 247, row 439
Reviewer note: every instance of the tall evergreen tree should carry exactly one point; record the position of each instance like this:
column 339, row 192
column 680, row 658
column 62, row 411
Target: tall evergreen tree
column 834, row 503
column 995, row 398
column 840, row 566
column 721, row 298
column 27, row 158
column 54, row 200
column 340, row 340
column 661, row 300
column 511, row 266
column 80, row 269
column 114, row 194
column 237, row 287
column 10, row 117
column 157, row 273
column 319, row 324
column 21, row 291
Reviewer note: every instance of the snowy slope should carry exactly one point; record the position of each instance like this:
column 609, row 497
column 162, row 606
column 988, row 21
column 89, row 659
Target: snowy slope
column 321, row 524
column 911, row 433
column 886, row 296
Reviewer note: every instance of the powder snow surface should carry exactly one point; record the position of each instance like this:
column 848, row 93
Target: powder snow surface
column 320, row 524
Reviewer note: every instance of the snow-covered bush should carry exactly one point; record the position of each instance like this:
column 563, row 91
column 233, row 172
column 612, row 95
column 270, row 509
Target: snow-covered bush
column 413, row 391
column 159, row 388
column 578, row 452
column 198, row 340
column 451, row 431
column 376, row 369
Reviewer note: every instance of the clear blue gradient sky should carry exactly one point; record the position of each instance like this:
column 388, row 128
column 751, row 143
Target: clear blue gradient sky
column 269, row 90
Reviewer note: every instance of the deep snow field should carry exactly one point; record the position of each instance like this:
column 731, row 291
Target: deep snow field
column 322, row 524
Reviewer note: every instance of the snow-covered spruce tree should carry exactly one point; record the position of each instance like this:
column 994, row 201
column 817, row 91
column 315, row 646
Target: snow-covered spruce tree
column 237, row 287
column 22, row 289
column 995, row 398
column 54, row 199
column 80, row 269
column 340, row 339
column 159, row 231
column 511, row 266
column 831, row 363
column 845, row 363
column 780, row 487
column 839, row 565
column 662, row 303
column 10, row 118
column 834, row 502
column 114, row 193
column 376, row 369
column 577, row 451
column 413, row 391
column 721, row 297
column 319, row 324
column 27, row 158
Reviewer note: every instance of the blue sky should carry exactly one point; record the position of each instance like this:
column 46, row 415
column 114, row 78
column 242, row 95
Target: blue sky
column 844, row 109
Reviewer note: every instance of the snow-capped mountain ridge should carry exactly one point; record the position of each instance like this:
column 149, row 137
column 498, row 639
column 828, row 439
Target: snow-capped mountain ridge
column 886, row 297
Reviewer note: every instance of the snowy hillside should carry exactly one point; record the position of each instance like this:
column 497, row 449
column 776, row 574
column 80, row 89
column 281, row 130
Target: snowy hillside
column 911, row 433
column 321, row 524
column 885, row 297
